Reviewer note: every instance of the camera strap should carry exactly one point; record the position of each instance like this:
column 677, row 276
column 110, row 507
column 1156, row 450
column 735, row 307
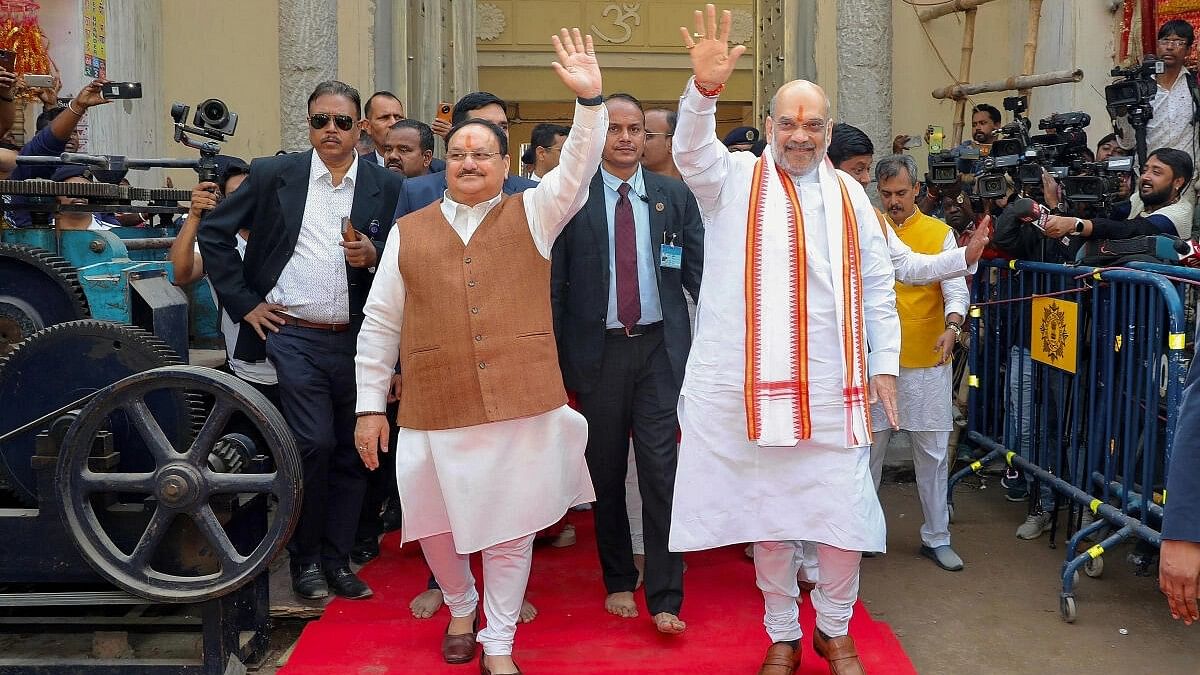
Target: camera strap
column 1194, row 90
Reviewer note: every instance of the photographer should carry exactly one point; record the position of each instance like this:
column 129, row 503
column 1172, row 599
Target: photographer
column 1156, row 208
column 1176, row 103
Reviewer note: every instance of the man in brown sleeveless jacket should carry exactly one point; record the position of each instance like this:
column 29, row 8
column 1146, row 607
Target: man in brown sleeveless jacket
column 488, row 453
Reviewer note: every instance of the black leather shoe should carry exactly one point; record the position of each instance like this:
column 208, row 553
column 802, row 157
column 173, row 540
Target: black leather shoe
column 364, row 551
column 309, row 583
column 347, row 584
column 391, row 518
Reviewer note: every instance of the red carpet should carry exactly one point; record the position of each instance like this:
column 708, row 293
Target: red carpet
column 572, row 633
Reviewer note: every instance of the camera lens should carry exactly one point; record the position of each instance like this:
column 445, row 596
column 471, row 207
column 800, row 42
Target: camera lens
column 214, row 113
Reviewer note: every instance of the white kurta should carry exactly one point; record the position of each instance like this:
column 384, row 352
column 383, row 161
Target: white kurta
column 494, row 482
column 728, row 489
column 925, row 396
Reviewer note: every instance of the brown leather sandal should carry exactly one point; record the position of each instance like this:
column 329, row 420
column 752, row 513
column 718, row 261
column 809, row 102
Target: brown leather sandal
column 840, row 653
column 781, row 659
column 461, row 648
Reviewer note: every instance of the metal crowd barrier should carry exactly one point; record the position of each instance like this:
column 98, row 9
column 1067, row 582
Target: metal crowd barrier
column 1096, row 429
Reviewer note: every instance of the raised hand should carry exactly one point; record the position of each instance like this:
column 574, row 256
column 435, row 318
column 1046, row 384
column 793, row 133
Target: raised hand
column 576, row 65
column 712, row 59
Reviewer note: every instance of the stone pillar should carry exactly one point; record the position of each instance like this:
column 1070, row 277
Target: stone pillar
column 864, row 88
column 134, row 53
column 308, row 54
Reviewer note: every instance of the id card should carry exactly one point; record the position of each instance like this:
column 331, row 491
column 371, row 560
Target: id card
column 670, row 256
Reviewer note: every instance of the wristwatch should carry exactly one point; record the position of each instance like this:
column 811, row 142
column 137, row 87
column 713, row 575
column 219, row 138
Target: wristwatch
column 954, row 328
column 1078, row 226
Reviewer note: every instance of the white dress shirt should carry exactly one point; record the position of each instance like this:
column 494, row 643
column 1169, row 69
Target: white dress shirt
column 647, row 251
column 312, row 285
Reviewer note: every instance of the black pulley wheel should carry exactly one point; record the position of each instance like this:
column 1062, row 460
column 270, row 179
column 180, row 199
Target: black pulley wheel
column 37, row 289
column 182, row 484
column 67, row 362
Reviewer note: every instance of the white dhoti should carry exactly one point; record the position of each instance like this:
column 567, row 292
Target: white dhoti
column 775, row 486
column 492, row 483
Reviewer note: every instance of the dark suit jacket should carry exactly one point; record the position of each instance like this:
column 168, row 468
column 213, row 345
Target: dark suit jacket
column 1181, row 520
column 579, row 278
column 435, row 165
column 271, row 205
column 419, row 192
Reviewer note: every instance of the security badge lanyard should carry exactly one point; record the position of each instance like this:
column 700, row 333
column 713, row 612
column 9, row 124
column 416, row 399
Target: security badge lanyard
column 670, row 255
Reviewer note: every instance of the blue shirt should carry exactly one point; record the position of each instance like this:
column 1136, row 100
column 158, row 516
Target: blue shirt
column 646, row 250
column 43, row 142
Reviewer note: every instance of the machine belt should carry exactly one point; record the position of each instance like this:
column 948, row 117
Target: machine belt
column 46, row 188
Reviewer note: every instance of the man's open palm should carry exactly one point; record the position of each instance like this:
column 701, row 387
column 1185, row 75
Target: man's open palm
column 576, row 65
column 712, row 59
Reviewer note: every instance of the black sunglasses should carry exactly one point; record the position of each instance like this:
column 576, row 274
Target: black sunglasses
column 321, row 120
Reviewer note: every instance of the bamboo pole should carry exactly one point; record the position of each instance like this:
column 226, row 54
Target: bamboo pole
column 964, row 72
column 1018, row 82
column 1031, row 40
column 931, row 13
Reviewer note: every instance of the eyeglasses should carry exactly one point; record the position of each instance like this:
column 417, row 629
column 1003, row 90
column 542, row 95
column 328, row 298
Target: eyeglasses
column 659, row 133
column 321, row 120
column 811, row 127
column 479, row 157
column 1172, row 42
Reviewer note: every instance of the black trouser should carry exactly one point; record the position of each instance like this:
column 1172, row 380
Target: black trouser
column 317, row 393
column 381, row 488
column 636, row 392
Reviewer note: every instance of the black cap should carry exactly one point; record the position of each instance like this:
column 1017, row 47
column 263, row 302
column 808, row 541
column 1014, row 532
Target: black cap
column 741, row 135
column 66, row 171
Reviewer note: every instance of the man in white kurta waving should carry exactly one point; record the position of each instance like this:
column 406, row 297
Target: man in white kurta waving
column 796, row 333
column 488, row 452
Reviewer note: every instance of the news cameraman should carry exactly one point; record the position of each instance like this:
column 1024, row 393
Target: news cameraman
column 1158, row 207
column 1176, row 103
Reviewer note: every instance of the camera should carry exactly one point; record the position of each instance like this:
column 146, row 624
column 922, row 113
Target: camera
column 1097, row 183
column 1136, row 89
column 212, row 120
column 943, row 169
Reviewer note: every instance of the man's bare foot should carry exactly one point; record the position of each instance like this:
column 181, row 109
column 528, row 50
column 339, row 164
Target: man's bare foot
column 750, row 551
column 668, row 623
column 528, row 612
column 426, row 604
column 639, row 562
column 621, row 604
column 496, row 665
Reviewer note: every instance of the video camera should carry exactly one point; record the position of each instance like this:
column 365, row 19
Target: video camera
column 1136, row 90
column 212, row 120
column 1097, row 183
column 943, row 169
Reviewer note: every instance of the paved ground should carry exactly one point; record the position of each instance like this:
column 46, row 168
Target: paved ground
column 1000, row 614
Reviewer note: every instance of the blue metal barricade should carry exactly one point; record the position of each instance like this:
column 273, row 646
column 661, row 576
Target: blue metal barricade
column 1094, row 424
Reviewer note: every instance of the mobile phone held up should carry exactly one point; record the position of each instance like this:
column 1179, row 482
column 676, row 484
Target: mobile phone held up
column 38, row 81
column 8, row 60
column 121, row 90
column 444, row 111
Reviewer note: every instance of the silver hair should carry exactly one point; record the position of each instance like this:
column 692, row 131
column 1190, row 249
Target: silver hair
column 889, row 167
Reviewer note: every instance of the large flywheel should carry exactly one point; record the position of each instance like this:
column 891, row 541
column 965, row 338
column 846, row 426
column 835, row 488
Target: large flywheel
column 37, row 290
column 192, row 489
column 68, row 362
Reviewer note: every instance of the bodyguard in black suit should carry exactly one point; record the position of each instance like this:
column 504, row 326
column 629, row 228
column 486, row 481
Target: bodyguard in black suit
column 300, row 292
column 619, row 272
column 1179, row 564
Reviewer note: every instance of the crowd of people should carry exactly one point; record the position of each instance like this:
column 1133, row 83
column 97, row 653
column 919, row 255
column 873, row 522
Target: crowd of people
column 650, row 316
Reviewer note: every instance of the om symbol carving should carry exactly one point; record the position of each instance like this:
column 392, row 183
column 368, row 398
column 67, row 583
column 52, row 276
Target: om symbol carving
column 625, row 13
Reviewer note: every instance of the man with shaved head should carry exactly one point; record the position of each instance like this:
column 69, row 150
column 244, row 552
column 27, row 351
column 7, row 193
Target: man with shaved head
column 796, row 335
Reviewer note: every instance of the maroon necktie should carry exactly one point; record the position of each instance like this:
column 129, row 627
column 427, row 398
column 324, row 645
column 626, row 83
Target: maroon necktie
column 629, row 302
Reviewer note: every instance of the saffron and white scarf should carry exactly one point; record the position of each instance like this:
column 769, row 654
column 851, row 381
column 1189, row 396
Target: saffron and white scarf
column 777, row 378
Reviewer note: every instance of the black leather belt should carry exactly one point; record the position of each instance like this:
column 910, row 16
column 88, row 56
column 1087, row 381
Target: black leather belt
column 636, row 331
